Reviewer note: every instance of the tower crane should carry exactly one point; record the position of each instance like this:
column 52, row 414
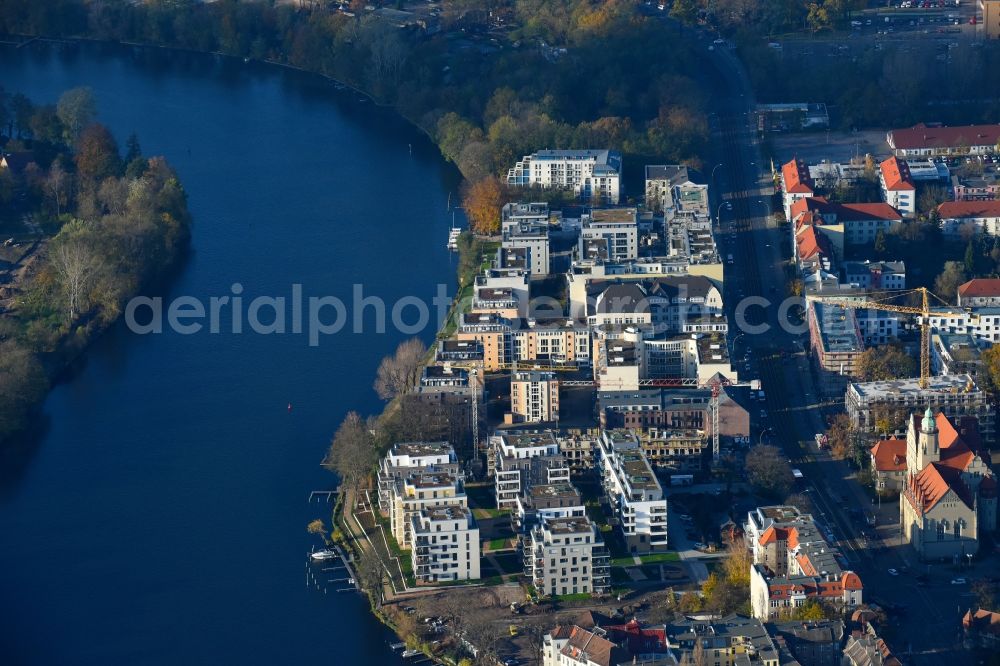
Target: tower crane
column 923, row 311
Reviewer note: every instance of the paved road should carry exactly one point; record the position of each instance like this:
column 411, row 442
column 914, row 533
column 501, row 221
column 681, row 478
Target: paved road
column 928, row 632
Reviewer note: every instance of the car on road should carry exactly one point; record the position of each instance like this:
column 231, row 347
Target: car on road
column 893, row 572
column 719, row 41
column 958, row 581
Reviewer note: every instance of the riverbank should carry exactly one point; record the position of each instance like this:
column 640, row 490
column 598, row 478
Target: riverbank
column 86, row 231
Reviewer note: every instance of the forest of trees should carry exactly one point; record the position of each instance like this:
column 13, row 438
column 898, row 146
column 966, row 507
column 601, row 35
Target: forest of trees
column 115, row 225
column 623, row 83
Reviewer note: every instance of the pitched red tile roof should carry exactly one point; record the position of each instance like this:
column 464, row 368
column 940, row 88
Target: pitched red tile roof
column 950, row 210
column 932, row 483
column 796, row 177
column 896, row 174
column 851, row 581
column 980, row 287
column 982, row 620
column 848, row 212
column 921, row 136
column 810, row 243
column 597, row 650
column 890, row 455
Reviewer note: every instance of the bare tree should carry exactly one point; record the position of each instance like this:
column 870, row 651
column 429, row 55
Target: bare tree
column 77, row 265
column 768, row 471
column 352, row 453
column 57, row 186
column 398, row 374
column 113, row 195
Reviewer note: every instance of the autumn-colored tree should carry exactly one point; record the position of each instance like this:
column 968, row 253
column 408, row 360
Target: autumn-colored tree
column 97, row 155
column 991, row 363
column 946, row 284
column 482, row 202
column 689, row 603
column 884, row 363
column 317, row 527
column 841, row 436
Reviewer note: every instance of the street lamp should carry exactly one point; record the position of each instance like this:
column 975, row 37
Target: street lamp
column 713, row 172
column 760, row 439
column 718, row 213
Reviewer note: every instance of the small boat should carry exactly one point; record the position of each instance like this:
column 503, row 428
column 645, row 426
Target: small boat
column 453, row 235
column 411, row 653
column 397, row 646
column 324, row 554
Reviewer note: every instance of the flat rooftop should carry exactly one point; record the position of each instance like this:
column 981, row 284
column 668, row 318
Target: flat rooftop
column 554, row 490
column 431, row 480
column 528, row 440
column 637, row 470
column 449, row 512
column 617, row 215
column 838, row 328
column 421, row 449
column 574, row 525
column 936, row 385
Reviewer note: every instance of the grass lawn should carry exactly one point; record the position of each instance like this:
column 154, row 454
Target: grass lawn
column 489, row 513
column 498, row 544
column 624, row 561
column 659, row 558
column 565, row 598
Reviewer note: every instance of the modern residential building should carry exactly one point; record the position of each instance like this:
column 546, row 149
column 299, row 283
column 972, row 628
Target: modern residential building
column 458, row 352
column 532, row 238
column 407, row 457
column 958, row 354
column 618, row 228
column 559, row 342
column 955, row 395
column 836, row 342
column 548, row 500
column 418, row 490
column 673, row 408
column 445, row 544
column 534, row 397
column 632, row 491
column 796, row 184
column 676, row 450
column 879, row 327
column 933, row 141
column 961, row 218
column 669, row 188
column 897, row 186
column 566, row 555
column 875, row 274
column 579, row 450
column 671, row 304
column 536, row 214
column 594, row 175
column 492, row 333
column 979, row 292
column 982, row 323
column 520, row 460
column 950, row 496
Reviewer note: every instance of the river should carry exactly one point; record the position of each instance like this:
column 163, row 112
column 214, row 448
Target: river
column 160, row 518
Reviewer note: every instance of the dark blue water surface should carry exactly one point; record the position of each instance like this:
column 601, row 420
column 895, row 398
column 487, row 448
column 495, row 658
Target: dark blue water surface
column 161, row 517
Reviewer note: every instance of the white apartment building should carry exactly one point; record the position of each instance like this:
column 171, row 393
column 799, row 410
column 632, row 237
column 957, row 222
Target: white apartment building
column 977, row 217
column 875, row 274
column 534, row 397
column 633, row 492
column 406, row 457
column 520, row 460
column 897, row 186
column 616, row 228
column 566, row 555
column 422, row 490
column 594, row 175
column 552, row 342
column 982, row 323
column 445, row 545
column 534, row 239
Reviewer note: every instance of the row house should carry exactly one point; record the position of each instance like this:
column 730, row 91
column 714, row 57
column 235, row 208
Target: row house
column 924, row 140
